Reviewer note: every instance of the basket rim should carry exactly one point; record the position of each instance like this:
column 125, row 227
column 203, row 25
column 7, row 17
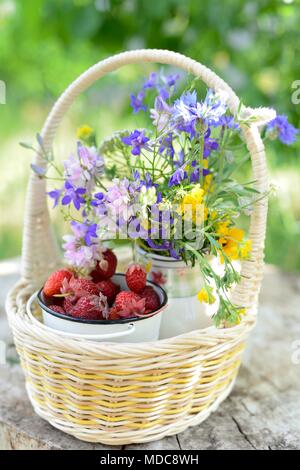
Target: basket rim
column 211, row 335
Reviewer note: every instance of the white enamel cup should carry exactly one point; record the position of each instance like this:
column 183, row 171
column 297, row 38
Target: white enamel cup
column 135, row 330
column 182, row 283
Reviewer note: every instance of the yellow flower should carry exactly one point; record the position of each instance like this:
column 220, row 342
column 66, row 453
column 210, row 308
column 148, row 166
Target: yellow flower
column 205, row 295
column 246, row 249
column 222, row 228
column 84, row 132
column 197, row 192
column 236, row 234
column 231, row 239
column 207, row 186
column 213, row 215
column 241, row 312
column 192, row 204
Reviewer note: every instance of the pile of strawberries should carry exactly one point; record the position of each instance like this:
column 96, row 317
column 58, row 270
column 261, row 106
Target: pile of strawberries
column 98, row 297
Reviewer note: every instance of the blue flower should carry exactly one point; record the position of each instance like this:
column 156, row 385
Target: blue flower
column 229, row 122
column 160, row 114
column 151, row 82
column 148, row 181
column 137, row 102
column 209, row 144
column 171, row 79
column 281, row 128
column 159, row 197
column 179, row 162
column 90, row 234
column 187, row 110
column 136, row 175
column 98, row 202
column 185, row 106
column 85, row 231
column 166, row 144
column 164, row 246
column 73, row 195
column 154, row 81
column 137, row 140
column 163, row 93
column 189, row 128
column 55, row 195
column 178, row 176
column 195, row 174
column 213, row 108
column 189, row 98
column 100, row 197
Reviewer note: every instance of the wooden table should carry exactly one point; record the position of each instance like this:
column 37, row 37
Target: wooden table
column 263, row 411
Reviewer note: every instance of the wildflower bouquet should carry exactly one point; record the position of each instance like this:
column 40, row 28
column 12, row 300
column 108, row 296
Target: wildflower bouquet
column 172, row 186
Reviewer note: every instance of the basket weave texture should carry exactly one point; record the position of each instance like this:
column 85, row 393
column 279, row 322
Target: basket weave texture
column 127, row 393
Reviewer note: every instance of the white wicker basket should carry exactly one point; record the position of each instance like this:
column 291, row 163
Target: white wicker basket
column 124, row 393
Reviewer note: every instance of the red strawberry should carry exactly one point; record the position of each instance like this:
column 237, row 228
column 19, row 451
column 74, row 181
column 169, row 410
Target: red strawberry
column 127, row 301
column 68, row 305
column 57, row 308
column 78, row 287
column 123, row 297
column 91, row 307
column 113, row 314
column 151, row 298
column 136, row 278
column 133, row 308
column 105, row 268
column 54, row 282
column 109, row 289
column 84, row 286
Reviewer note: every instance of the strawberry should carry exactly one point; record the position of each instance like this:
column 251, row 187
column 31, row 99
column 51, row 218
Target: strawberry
column 78, row 287
column 91, row 307
column 68, row 305
column 106, row 267
column 57, row 308
column 109, row 289
column 54, row 282
column 113, row 314
column 133, row 308
column 152, row 301
column 129, row 304
column 123, row 297
column 136, row 278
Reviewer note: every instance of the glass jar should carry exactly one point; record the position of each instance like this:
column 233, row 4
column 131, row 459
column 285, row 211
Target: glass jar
column 182, row 284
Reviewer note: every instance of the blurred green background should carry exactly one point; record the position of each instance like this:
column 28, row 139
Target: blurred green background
column 45, row 44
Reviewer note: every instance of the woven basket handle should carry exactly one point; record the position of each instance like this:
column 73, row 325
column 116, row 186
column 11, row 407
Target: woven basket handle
column 40, row 254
